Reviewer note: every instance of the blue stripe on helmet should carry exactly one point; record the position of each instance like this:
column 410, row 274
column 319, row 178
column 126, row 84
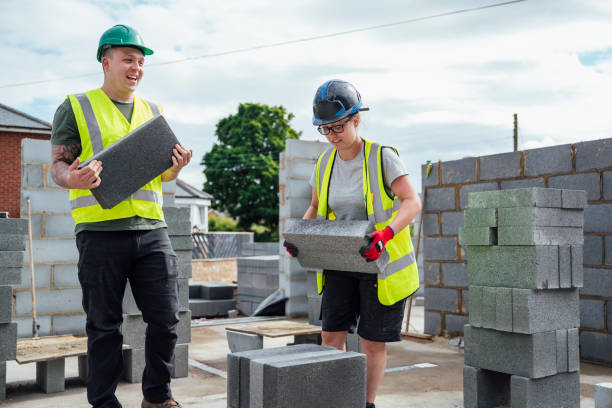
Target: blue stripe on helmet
column 340, row 112
column 355, row 109
column 324, row 89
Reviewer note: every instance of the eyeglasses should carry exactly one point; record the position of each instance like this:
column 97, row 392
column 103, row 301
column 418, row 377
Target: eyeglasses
column 336, row 128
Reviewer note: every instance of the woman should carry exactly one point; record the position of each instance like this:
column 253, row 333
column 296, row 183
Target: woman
column 386, row 197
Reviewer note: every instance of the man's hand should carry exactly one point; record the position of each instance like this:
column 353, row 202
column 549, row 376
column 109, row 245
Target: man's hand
column 181, row 158
column 292, row 249
column 377, row 241
column 65, row 172
column 86, row 178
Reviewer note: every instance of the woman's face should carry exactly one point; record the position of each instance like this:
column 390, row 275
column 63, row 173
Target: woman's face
column 347, row 136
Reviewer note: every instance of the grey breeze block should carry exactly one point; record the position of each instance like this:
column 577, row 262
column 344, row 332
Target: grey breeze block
column 528, row 355
column 12, row 242
column 144, row 153
column 133, row 364
column 8, row 341
column 50, row 375
column 524, row 310
column 531, row 235
column 134, row 329
column 178, row 221
column 181, row 361
column 211, row 308
column 239, row 369
column 10, row 275
column 603, row 395
column 210, row 290
column 540, row 217
column 6, row 304
column 528, row 197
column 14, row 226
column 2, row 380
column 527, row 267
column 484, row 388
column 334, row 245
column 557, row 391
column 338, row 378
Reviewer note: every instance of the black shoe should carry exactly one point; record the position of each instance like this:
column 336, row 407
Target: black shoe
column 370, row 405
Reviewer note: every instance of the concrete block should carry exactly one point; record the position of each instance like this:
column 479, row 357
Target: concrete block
column 609, row 314
column 608, row 249
column 455, row 274
column 465, row 302
column 24, row 326
column 523, row 183
column 484, row 388
column 274, row 384
column 528, row 267
column 2, row 380
column 584, row 181
column 597, row 282
column 464, row 191
column 12, row 242
column 184, row 257
column 314, row 310
column 573, row 349
column 527, row 355
column 562, row 351
column 183, row 294
column 239, row 341
column 129, row 305
column 265, row 264
column 577, row 271
column 50, row 375
column 478, row 236
column 548, row 160
column 561, row 390
column 15, row 226
column 35, row 151
column 597, row 218
column 246, row 307
column 211, row 308
column 295, row 148
column 181, row 361
column 11, row 259
column 504, row 309
column 540, row 217
column 441, row 299
column 64, row 275
column 603, row 395
column 311, row 284
column 593, row 252
column 432, row 178
column 480, row 217
column 432, row 273
column 8, row 341
column 185, row 270
column 442, row 249
column 211, row 290
column 607, row 185
column 134, row 330
column 576, row 199
column 239, row 369
column 69, row 324
column 53, row 251
column 54, row 201
column 133, row 364
column 298, row 189
column 440, row 199
column 51, row 301
column 294, row 208
column 333, row 245
column 497, row 166
column 592, row 314
column 178, row 221
column 451, row 222
column 59, row 226
column 6, row 304
column 536, row 311
column 476, row 315
column 522, row 197
column 31, row 175
column 596, row 346
column 459, row 171
column 181, row 242
column 433, row 323
column 430, row 225
column 592, row 155
column 183, row 329
column 296, row 306
column 297, row 169
column 36, row 225
column 455, row 323
column 291, row 285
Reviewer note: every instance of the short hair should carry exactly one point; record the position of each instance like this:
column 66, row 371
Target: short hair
column 106, row 50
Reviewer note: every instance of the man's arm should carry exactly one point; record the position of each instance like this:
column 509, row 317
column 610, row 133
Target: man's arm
column 64, row 163
column 181, row 158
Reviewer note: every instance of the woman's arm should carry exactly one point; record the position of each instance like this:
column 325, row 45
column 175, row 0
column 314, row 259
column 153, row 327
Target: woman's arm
column 311, row 212
column 411, row 203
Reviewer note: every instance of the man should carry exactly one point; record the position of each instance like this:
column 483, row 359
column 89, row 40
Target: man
column 128, row 241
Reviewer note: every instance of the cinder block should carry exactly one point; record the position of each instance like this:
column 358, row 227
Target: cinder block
column 592, row 314
column 211, row 308
column 314, row 310
column 609, row 314
column 65, row 275
column 185, row 271
column 480, row 217
column 597, row 219
column 8, row 341
column 588, row 182
column 465, row 302
column 593, row 253
column 50, row 375
column 294, row 208
column 433, row 323
column 441, row 299
column 442, row 249
column 451, row 222
column 11, row 259
column 181, row 242
column 432, row 178
column 455, row 323
column 540, row 217
column 603, row 395
column 459, row 171
column 35, row 151
column 576, row 199
column 478, row 236
column 523, row 183
column 24, row 326
column 561, row 390
column 573, row 347
column 595, row 154
column 455, row 274
column 608, row 249
column 536, row 311
column 597, row 282
column 548, row 160
column 577, row 262
column 53, row 251
column 440, row 199
column 6, row 304
column 306, row 149
column 133, row 364
column 527, row 355
column 274, row 384
column 177, row 219
column 296, row 307
column 522, row 197
column 333, row 245
column 183, row 329
column 183, row 294
column 211, row 290
column 466, row 190
column 181, row 361
column 497, row 166
column 291, row 285
column 51, row 301
column 596, row 346
column 504, row 309
column 311, row 284
column 430, row 225
column 2, row 380
column 69, row 324
column 59, row 226
column 134, row 329
column 12, row 242
column 55, row 201
column 184, row 257
column 484, row 388
column 14, row 226
column 432, row 273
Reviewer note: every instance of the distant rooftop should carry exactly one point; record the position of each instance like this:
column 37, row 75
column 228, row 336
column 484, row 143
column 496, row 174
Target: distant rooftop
column 13, row 120
column 185, row 190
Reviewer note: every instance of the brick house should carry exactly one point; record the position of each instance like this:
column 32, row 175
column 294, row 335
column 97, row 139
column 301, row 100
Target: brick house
column 14, row 127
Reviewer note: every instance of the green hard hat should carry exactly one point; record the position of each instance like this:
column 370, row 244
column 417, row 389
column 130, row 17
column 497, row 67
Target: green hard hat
column 122, row 35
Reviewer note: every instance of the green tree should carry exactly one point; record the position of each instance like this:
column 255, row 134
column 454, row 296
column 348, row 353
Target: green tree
column 217, row 223
column 242, row 168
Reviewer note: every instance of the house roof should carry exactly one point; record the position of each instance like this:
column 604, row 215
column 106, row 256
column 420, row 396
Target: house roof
column 184, row 190
column 13, row 120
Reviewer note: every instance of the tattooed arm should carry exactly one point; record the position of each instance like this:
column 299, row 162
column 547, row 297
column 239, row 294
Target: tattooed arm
column 64, row 163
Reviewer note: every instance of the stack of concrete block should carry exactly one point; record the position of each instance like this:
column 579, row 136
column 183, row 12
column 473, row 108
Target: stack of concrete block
column 257, row 279
column 314, row 298
column 12, row 247
column 210, row 299
column 525, row 271
column 603, row 395
column 134, row 327
column 276, row 377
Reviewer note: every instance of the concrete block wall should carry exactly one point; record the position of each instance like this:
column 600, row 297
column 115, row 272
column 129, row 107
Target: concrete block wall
column 580, row 166
column 296, row 165
column 258, row 278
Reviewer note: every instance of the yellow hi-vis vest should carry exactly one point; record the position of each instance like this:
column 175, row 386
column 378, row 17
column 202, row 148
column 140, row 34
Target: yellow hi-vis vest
column 101, row 124
column 400, row 278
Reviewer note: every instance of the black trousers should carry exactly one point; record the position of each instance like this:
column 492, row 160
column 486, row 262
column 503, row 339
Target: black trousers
column 106, row 261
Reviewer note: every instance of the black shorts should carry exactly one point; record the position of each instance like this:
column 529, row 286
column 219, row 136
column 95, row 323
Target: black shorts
column 350, row 300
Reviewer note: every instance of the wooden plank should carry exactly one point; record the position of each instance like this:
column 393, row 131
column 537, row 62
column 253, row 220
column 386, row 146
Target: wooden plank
column 51, row 348
column 278, row 328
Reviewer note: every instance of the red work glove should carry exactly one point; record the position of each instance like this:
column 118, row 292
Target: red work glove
column 377, row 241
column 292, row 249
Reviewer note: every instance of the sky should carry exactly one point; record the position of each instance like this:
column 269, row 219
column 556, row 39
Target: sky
column 442, row 88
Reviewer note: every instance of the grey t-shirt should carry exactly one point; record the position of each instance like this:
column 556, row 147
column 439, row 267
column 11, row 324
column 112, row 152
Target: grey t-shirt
column 346, row 198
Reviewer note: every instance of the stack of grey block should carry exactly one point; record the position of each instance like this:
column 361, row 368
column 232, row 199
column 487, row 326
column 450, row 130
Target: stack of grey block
column 210, row 299
column 12, row 247
column 525, row 271
column 134, row 327
column 257, row 279
column 305, row 375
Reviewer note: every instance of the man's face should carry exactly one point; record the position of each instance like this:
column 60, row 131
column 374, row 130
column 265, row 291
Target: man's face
column 123, row 67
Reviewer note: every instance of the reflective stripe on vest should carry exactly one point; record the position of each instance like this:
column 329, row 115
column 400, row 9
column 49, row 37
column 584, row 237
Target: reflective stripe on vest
column 142, row 195
column 92, row 123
